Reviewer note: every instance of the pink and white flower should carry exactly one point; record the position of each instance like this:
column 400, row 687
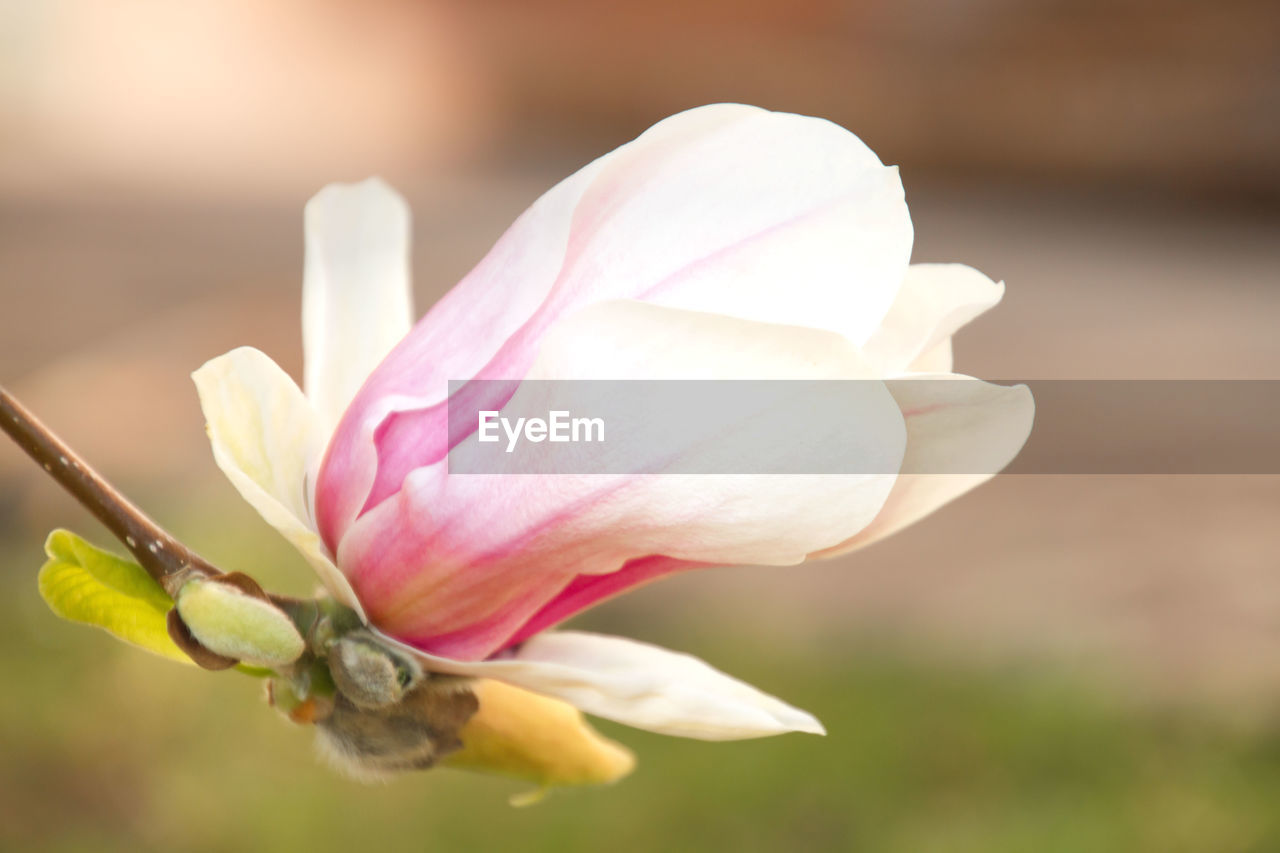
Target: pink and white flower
column 726, row 242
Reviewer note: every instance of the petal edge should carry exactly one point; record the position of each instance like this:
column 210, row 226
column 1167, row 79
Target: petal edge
column 638, row 684
column 265, row 437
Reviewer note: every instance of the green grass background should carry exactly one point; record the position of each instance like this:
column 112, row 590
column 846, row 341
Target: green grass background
column 106, row 748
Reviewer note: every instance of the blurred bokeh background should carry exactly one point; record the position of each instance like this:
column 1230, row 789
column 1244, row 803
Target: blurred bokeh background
column 1058, row 663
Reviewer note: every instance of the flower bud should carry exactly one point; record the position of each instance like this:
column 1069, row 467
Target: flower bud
column 370, row 674
column 231, row 623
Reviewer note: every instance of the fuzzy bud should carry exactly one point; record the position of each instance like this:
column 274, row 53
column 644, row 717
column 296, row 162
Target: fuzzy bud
column 231, row 623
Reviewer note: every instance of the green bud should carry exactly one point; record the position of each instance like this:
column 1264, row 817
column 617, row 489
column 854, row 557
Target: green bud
column 231, row 623
column 370, row 674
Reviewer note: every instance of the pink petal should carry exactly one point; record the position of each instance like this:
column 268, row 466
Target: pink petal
column 589, row 590
column 726, row 209
column 460, row 565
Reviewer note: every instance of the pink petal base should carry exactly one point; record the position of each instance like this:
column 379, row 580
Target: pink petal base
column 583, row 592
column 589, row 590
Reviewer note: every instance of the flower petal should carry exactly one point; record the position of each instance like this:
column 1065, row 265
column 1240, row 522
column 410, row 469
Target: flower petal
column 265, row 438
column 637, row 684
column 936, row 359
column 523, row 734
column 356, row 298
column 934, row 301
column 954, row 424
column 726, row 209
column 459, row 564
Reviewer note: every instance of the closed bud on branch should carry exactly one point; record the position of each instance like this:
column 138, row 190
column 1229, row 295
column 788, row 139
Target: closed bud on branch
column 231, row 623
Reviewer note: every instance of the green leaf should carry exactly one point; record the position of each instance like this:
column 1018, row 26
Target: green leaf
column 88, row 585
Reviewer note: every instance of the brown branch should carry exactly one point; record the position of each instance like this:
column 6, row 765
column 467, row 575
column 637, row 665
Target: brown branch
column 166, row 559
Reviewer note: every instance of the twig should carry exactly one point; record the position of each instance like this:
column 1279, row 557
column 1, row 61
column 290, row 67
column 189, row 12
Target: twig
column 166, row 559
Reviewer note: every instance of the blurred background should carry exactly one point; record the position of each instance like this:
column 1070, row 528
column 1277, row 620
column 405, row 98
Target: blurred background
column 1058, row 663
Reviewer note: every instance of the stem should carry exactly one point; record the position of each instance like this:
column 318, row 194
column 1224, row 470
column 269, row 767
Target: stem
column 166, row 559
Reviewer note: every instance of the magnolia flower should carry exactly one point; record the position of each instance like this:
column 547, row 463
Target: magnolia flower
column 725, row 242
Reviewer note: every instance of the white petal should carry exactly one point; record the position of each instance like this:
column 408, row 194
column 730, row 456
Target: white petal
column 954, row 424
column 936, row 359
column 356, row 298
column 735, row 518
column 771, row 216
column 637, row 684
column 934, row 301
column 266, row 438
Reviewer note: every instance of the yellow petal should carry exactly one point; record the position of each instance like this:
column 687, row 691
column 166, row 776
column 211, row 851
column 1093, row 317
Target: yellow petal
column 536, row 738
